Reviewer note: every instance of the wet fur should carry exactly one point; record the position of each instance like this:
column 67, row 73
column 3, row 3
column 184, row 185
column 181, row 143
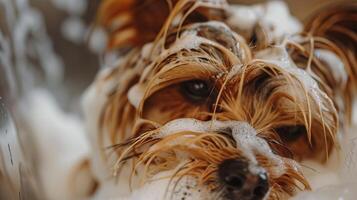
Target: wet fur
column 263, row 94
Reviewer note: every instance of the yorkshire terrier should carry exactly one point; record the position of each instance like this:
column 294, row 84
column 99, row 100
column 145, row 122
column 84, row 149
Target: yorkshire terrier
column 215, row 101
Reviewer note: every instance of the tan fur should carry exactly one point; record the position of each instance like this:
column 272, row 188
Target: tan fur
column 260, row 93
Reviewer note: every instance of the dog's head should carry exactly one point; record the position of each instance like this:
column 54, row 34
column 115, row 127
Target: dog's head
column 222, row 101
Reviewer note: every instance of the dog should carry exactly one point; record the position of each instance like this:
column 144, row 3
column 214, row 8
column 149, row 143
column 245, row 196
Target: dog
column 208, row 100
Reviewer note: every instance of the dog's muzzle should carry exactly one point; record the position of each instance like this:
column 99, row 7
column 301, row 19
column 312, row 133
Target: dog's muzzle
column 241, row 178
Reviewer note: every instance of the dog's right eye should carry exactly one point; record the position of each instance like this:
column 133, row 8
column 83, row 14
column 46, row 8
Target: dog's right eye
column 196, row 90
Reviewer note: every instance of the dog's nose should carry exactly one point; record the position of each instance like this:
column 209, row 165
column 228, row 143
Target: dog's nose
column 243, row 180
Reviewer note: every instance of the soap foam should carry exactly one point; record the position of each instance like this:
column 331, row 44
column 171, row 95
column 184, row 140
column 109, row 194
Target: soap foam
column 279, row 56
column 273, row 16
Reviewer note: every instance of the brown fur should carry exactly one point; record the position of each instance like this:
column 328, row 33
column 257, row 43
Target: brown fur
column 262, row 94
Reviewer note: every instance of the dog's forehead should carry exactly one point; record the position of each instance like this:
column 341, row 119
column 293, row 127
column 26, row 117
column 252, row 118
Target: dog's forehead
column 218, row 34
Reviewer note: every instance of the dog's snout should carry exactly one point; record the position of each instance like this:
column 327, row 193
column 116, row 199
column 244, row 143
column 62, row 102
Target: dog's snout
column 243, row 180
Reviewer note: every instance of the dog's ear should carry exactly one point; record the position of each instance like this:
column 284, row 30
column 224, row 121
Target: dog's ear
column 136, row 22
column 335, row 29
column 339, row 25
column 132, row 22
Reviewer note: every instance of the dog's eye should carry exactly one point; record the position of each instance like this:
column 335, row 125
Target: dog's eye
column 196, row 90
column 291, row 133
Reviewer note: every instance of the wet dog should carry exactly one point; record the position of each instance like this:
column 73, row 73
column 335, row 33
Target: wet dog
column 214, row 101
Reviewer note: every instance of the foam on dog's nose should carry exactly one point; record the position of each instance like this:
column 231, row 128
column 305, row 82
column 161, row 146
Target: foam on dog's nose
column 245, row 137
column 247, row 140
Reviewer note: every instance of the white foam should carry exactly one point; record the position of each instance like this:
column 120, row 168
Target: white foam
column 333, row 192
column 146, row 50
column 279, row 56
column 73, row 29
column 73, row 7
column 279, row 21
column 98, row 40
column 336, row 65
column 188, row 40
column 136, row 94
column 273, row 16
column 160, row 187
column 244, row 17
column 60, row 144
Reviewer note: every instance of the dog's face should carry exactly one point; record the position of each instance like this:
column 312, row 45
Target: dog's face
column 224, row 114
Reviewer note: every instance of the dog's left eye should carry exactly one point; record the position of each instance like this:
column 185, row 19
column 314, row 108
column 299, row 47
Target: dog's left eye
column 291, row 133
column 196, row 90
